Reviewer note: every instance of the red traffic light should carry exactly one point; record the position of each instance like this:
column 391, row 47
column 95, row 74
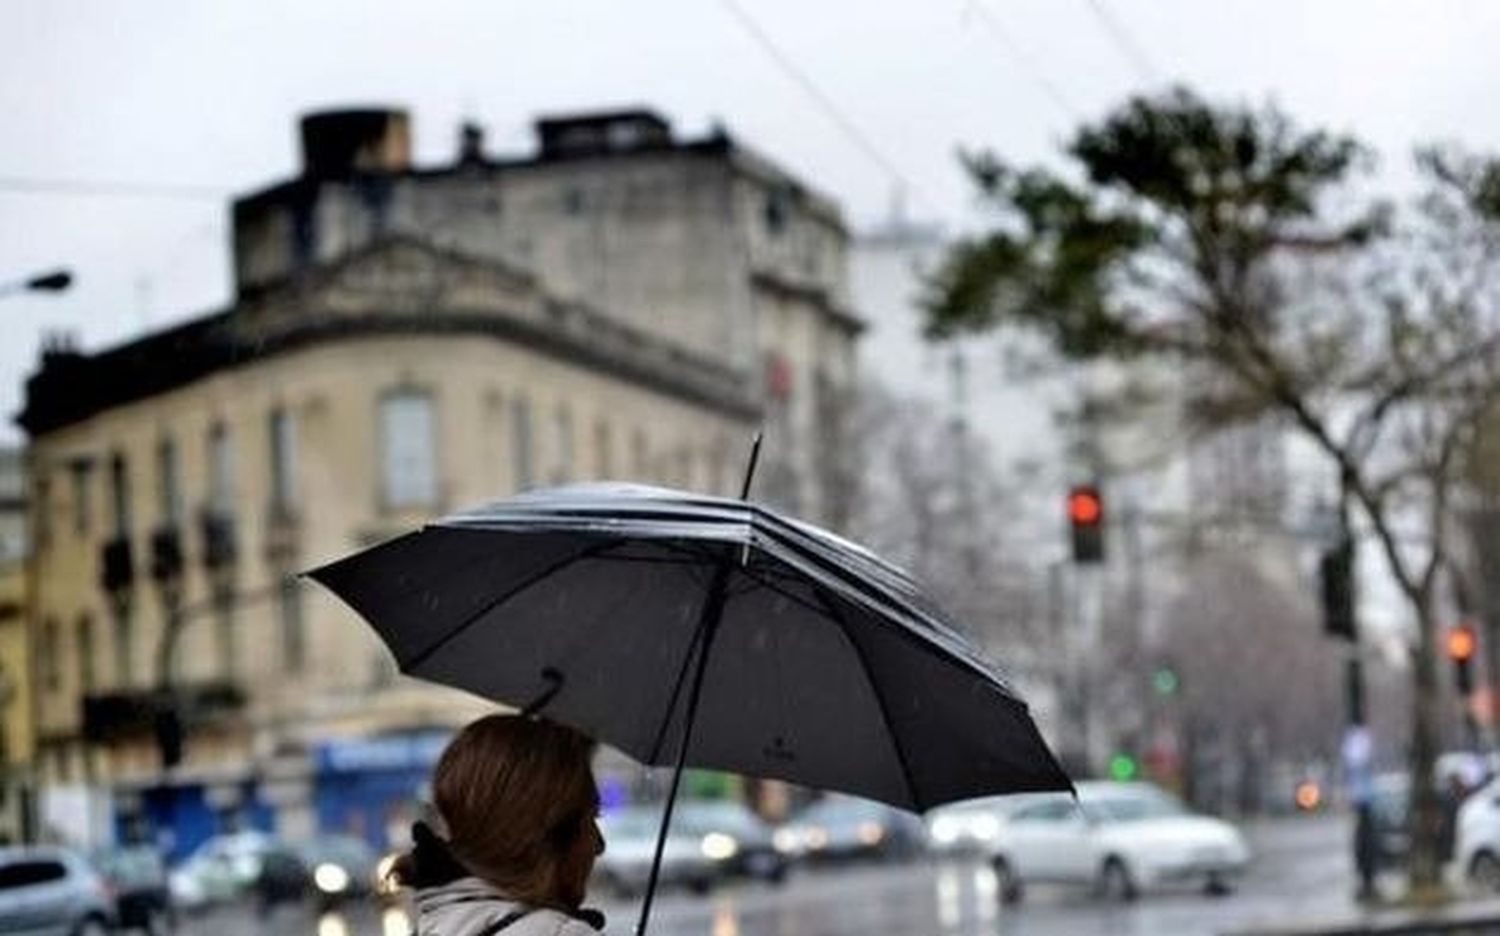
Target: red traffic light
column 1461, row 643
column 1084, row 506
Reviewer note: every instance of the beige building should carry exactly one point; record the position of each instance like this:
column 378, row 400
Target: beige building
column 365, row 380
column 15, row 662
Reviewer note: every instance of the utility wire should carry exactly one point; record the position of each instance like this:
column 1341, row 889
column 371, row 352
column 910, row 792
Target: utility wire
column 31, row 186
column 1125, row 41
column 826, row 104
column 1018, row 52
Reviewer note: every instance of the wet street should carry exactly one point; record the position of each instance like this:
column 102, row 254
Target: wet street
column 1301, row 873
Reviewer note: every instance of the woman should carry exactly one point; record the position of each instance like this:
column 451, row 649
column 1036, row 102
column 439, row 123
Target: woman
column 516, row 802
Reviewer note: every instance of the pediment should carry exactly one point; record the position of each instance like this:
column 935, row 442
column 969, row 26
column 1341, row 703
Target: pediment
column 405, row 276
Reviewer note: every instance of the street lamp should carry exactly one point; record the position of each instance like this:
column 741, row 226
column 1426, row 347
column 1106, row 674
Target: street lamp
column 54, row 281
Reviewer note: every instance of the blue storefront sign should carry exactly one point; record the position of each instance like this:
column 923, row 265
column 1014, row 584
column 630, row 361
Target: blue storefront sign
column 370, row 786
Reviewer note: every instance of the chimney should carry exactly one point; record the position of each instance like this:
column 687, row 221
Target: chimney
column 340, row 143
column 470, row 144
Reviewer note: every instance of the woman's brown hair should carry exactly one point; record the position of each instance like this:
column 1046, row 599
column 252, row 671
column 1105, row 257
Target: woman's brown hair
column 514, row 793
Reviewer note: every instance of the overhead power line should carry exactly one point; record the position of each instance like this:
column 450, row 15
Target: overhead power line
column 112, row 189
column 826, row 104
column 1125, row 41
column 1018, row 52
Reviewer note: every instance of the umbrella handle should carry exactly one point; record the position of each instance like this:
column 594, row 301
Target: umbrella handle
column 555, row 684
column 708, row 625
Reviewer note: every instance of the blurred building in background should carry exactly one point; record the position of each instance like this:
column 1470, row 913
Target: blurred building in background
column 15, row 655
column 403, row 341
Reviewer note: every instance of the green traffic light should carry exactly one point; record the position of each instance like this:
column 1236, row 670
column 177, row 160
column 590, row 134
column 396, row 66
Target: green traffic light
column 1122, row 767
column 1165, row 681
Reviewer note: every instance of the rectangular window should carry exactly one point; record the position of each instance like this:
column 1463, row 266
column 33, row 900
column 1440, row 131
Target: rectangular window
column 603, row 453
column 51, row 656
column 41, row 512
column 169, row 490
column 124, row 646
column 220, row 471
column 283, row 459
column 408, row 449
column 293, row 633
column 85, row 638
column 564, row 470
column 119, row 494
column 82, row 474
column 641, row 457
column 520, row 443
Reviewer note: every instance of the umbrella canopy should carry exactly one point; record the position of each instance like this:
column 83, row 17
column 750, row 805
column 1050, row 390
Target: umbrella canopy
column 825, row 665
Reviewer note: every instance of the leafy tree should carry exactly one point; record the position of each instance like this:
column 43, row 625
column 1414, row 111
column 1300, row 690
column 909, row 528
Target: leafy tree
column 1235, row 248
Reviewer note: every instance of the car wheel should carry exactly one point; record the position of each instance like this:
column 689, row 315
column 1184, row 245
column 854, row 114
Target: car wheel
column 1007, row 882
column 1484, row 871
column 93, row 926
column 1115, row 881
column 1216, row 886
column 700, row 886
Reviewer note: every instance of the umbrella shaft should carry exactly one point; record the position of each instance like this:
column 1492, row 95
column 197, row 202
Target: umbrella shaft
column 708, row 624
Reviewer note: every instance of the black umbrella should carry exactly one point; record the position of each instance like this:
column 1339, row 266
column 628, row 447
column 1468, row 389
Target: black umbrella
column 684, row 629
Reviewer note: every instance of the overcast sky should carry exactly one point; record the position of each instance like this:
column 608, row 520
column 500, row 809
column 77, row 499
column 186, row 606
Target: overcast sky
column 205, row 93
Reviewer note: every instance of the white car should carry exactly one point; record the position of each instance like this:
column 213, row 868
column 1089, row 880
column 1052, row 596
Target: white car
column 972, row 826
column 1476, row 849
column 1119, row 838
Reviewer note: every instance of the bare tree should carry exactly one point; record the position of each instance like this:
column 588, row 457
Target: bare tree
column 1226, row 241
column 930, row 499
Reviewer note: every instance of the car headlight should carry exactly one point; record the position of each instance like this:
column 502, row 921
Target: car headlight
column 786, row 841
column 817, row 838
column 945, row 830
column 986, row 828
column 384, row 882
column 870, row 833
column 331, row 879
column 718, row 847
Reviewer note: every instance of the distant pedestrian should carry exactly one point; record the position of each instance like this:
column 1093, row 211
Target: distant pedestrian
column 1452, row 796
column 516, row 838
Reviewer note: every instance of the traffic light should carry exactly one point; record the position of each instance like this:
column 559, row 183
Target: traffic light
column 1123, row 767
column 1086, row 518
column 1462, row 643
column 1336, row 573
column 1165, row 681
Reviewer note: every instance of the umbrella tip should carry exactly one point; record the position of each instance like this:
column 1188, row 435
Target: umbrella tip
column 754, row 458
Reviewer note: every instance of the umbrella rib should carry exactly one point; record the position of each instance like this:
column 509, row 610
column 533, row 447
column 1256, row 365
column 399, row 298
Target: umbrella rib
column 489, row 606
column 830, row 608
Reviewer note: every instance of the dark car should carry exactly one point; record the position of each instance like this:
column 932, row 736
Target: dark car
column 734, row 837
column 339, row 867
column 848, row 827
column 137, row 876
column 326, row 869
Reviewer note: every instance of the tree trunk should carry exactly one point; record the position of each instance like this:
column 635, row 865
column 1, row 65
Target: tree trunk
column 1425, row 863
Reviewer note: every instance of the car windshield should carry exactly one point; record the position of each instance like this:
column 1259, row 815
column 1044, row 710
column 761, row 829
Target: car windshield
column 1134, row 808
column 718, row 817
column 841, row 809
column 128, row 865
column 630, row 824
column 336, row 849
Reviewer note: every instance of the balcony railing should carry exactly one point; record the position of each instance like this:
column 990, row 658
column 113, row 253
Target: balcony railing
column 131, row 715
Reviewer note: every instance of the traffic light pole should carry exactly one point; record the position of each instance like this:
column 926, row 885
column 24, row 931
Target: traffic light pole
column 1340, row 607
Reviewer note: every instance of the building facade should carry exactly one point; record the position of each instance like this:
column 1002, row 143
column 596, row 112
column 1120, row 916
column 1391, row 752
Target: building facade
column 374, row 371
column 15, row 653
